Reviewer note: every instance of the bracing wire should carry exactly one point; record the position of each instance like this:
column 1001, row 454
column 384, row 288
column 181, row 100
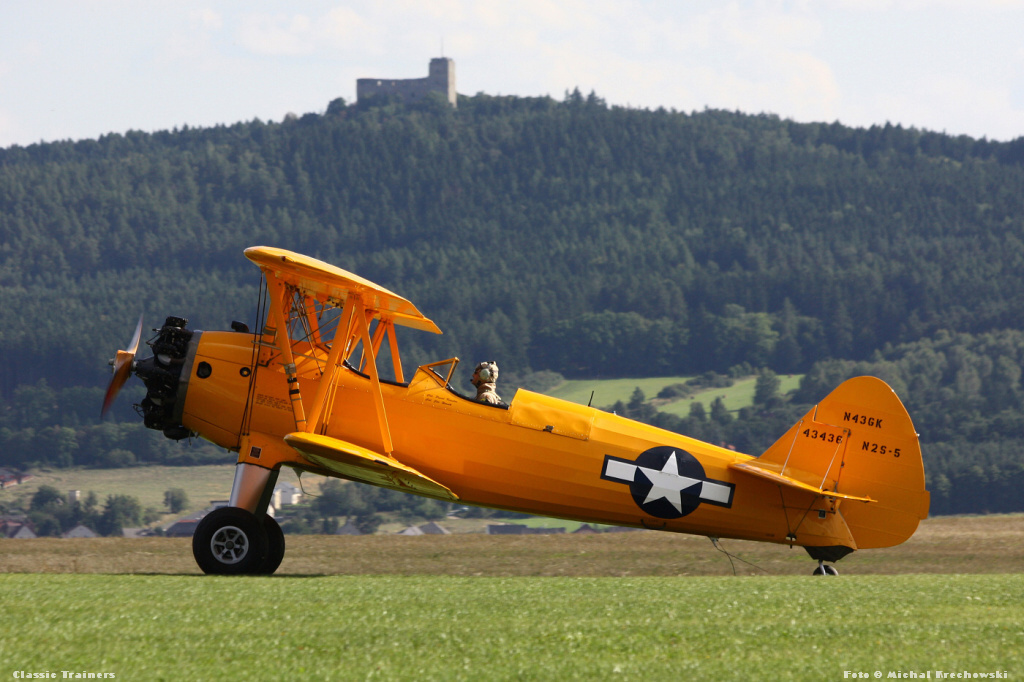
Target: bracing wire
column 254, row 361
column 731, row 556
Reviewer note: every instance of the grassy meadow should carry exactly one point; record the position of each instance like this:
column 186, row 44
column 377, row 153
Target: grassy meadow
column 608, row 391
column 624, row 606
column 147, row 627
column 615, row 606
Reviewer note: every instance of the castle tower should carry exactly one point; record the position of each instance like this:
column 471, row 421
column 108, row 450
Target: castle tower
column 440, row 78
column 442, row 74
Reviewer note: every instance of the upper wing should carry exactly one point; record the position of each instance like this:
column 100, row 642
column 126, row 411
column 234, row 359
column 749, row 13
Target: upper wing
column 300, row 289
column 324, row 281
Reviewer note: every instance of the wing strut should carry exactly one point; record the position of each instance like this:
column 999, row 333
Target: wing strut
column 359, row 312
column 327, row 383
column 279, row 312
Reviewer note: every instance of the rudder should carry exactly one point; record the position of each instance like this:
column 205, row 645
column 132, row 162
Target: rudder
column 882, row 461
column 857, row 448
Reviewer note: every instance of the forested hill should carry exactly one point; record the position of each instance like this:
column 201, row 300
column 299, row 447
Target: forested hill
column 656, row 242
column 562, row 235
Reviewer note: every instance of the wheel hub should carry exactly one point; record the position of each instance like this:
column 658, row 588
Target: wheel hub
column 229, row 545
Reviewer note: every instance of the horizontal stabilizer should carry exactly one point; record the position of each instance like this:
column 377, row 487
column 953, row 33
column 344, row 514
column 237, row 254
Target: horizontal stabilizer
column 758, row 469
column 361, row 464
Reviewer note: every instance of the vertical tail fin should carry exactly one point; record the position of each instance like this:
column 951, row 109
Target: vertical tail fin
column 883, row 460
column 860, row 445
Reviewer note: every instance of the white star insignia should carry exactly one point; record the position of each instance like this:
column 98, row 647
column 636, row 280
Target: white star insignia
column 667, row 483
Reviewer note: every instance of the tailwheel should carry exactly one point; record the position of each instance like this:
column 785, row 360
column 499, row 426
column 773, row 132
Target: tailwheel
column 275, row 545
column 231, row 541
column 825, row 569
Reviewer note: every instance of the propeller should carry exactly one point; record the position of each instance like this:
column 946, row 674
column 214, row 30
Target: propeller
column 122, row 365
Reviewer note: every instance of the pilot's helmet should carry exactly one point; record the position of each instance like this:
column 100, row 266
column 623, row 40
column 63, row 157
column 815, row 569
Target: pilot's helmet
column 485, row 373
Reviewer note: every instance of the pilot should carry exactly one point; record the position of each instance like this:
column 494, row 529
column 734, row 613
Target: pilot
column 485, row 378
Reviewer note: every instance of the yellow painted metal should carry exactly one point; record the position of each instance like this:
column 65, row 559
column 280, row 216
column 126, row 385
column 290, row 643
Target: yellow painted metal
column 753, row 467
column 371, row 367
column 279, row 310
column 396, row 358
column 543, row 455
column 334, row 359
column 326, row 282
column 360, row 464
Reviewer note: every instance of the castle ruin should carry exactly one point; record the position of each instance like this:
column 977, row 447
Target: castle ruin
column 440, row 78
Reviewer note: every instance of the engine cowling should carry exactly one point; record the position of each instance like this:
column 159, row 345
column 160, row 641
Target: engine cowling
column 166, row 377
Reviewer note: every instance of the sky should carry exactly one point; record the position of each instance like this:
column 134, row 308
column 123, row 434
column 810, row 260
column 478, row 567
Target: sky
column 76, row 69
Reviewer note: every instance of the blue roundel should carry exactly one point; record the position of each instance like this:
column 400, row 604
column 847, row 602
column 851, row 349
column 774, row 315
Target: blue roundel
column 667, row 482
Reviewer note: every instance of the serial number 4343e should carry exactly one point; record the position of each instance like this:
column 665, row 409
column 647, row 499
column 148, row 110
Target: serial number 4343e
column 826, row 436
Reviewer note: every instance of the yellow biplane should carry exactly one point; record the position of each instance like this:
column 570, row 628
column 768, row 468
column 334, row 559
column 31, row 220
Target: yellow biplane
column 305, row 390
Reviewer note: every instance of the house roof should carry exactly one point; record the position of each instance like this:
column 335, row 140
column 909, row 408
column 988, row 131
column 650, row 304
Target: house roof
column 348, row 529
column 185, row 528
column 519, row 529
column 81, row 531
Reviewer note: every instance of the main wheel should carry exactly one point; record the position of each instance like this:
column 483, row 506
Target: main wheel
column 230, row 541
column 825, row 569
column 275, row 545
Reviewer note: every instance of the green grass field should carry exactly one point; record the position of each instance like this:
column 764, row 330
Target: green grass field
column 608, row 391
column 147, row 627
column 624, row 606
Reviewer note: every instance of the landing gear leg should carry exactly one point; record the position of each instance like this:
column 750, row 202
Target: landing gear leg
column 825, row 569
column 242, row 538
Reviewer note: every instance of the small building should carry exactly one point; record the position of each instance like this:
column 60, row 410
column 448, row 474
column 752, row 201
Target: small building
column 183, row 528
column 285, row 493
column 586, row 529
column 429, row 528
column 16, row 530
column 81, row 531
column 23, row 533
column 519, row 529
column 348, row 529
column 186, row 527
column 10, row 477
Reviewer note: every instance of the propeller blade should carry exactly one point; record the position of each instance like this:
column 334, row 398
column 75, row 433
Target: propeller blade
column 133, row 348
column 122, row 369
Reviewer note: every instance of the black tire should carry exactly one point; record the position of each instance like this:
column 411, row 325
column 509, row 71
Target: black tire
column 275, row 546
column 825, row 569
column 229, row 541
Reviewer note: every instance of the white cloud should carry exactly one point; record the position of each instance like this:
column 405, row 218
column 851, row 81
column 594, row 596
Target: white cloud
column 339, row 28
column 206, row 19
column 953, row 65
column 8, row 131
column 276, row 34
column 956, row 105
column 935, row 5
column 342, row 27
